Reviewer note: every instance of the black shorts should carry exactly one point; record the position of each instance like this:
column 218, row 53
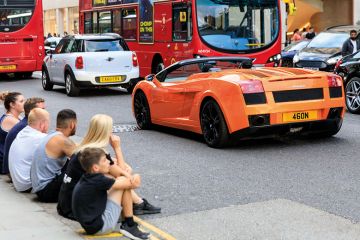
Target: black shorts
column 50, row 193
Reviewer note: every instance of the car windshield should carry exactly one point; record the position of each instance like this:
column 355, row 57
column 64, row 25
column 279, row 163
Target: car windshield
column 296, row 46
column 182, row 72
column 327, row 43
column 103, row 45
column 238, row 25
column 14, row 19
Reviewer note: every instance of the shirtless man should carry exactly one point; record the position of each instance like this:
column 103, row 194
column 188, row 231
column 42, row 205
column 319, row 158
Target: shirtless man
column 51, row 156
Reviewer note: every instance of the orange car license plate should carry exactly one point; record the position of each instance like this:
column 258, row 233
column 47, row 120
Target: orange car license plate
column 300, row 116
column 112, row 79
column 8, row 67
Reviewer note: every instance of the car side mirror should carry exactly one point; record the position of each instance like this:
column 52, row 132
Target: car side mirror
column 150, row 77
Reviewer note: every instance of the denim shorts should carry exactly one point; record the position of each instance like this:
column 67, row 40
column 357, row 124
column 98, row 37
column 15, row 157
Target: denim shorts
column 110, row 217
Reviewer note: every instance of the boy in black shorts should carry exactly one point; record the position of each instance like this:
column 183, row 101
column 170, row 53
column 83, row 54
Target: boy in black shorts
column 98, row 197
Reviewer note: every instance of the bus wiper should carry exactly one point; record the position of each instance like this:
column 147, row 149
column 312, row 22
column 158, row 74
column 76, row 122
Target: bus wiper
column 102, row 50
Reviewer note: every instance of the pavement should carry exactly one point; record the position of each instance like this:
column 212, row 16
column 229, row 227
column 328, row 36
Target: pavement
column 23, row 217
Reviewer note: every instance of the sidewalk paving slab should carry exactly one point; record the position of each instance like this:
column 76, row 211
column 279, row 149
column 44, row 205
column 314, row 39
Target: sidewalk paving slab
column 278, row 219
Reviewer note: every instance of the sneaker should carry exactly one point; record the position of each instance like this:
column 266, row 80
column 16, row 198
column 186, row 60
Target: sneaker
column 133, row 232
column 145, row 208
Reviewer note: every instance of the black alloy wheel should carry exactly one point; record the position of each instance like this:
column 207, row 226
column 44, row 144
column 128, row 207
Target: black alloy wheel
column 45, row 80
column 352, row 91
column 142, row 111
column 213, row 125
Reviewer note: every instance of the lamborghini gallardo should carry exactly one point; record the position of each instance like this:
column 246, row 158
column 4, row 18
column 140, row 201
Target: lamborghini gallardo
column 225, row 97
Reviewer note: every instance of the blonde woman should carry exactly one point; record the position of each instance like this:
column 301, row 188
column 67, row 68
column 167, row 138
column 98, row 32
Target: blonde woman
column 99, row 135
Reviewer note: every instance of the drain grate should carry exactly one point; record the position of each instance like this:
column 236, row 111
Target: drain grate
column 119, row 128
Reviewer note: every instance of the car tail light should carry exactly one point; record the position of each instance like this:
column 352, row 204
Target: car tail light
column 251, row 86
column 334, row 81
column 134, row 60
column 338, row 63
column 79, row 63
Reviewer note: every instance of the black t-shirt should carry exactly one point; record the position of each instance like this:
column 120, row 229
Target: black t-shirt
column 89, row 200
column 72, row 175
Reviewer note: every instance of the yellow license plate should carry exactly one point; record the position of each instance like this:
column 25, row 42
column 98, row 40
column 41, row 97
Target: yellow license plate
column 111, row 79
column 300, row 116
column 8, row 67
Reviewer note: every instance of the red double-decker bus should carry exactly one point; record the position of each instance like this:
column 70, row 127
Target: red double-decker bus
column 164, row 31
column 21, row 37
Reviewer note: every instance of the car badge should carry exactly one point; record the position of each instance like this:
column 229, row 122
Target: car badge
column 109, row 59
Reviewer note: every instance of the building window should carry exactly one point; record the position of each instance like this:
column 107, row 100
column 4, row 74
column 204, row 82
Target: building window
column 104, row 22
column 117, row 21
column 87, row 23
column 95, row 23
column 129, row 24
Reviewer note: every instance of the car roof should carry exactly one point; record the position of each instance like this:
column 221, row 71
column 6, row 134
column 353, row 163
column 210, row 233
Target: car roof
column 95, row 36
column 343, row 28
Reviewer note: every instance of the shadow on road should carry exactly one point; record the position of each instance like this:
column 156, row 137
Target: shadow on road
column 260, row 143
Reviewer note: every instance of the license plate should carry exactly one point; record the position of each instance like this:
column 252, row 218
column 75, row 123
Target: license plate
column 312, row 68
column 300, row 116
column 8, row 67
column 111, row 79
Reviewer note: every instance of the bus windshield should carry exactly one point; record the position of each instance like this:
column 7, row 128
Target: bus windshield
column 14, row 19
column 238, row 25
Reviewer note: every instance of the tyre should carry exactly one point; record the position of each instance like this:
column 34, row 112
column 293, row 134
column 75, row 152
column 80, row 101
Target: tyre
column 352, row 95
column 45, row 80
column 71, row 89
column 333, row 130
column 142, row 111
column 130, row 89
column 213, row 125
column 28, row 74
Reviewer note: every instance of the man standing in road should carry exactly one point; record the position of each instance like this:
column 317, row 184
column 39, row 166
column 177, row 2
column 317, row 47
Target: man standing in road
column 352, row 45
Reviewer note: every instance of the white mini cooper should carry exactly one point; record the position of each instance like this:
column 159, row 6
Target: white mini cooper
column 90, row 61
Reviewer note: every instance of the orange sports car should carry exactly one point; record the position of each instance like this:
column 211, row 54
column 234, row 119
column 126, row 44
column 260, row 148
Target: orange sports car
column 224, row 97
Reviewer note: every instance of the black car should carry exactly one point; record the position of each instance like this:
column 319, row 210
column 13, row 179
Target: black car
column 349, row 69
column 323, row 52
column 289, row 52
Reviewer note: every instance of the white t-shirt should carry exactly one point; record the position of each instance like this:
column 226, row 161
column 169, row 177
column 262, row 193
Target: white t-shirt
column 21, row 155
column 354, row 43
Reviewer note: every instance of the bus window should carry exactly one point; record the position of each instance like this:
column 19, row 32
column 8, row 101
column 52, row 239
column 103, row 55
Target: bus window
column 104, row 22
column 129, row 24
column 95, row 23
column 117, row 21
column 88, row 21
column 182, row 29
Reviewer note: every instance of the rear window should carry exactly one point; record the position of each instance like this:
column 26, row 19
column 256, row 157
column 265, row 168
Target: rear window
column 105, row 45
column 328, row 40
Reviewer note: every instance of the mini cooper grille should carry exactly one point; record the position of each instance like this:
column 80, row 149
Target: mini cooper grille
column 298, row 95
column 335, row 92
column 254, row 98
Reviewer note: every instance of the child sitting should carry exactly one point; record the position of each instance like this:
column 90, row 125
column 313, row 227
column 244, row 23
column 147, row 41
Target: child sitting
column 98, row 197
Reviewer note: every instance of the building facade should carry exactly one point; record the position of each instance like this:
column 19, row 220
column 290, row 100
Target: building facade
column 61, row 16
column 322, row 14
